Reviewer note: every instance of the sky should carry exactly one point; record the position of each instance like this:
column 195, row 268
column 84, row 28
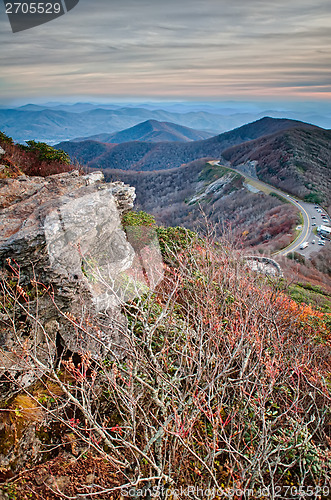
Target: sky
column 203, row 50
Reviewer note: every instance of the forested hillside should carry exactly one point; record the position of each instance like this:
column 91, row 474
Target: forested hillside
column 296, row 160
column 160, row 156
column 189, row 194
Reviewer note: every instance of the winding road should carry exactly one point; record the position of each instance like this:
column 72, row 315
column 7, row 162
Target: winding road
column 308, row 211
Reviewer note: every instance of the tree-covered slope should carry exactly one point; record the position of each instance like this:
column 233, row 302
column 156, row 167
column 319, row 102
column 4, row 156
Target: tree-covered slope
column 164, row 155
column 296, row 160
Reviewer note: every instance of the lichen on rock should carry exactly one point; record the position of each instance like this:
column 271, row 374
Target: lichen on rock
column 50, row 228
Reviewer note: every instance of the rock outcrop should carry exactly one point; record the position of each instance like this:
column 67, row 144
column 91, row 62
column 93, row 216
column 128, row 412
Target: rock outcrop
column 63, row 248
column 66, row 267
column 264, row 265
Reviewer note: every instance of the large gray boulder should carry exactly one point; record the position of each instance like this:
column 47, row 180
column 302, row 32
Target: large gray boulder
column 62, row 242
column 66, row 268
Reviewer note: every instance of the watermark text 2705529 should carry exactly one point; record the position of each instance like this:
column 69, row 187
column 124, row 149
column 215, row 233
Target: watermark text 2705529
column 29, row 14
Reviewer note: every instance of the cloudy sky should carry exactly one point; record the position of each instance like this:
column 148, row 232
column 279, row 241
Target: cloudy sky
column 176, row 49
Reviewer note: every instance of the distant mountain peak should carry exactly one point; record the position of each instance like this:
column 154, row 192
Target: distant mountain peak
column 151, row 131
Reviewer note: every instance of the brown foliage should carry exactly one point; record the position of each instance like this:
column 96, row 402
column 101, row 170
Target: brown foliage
column 28, row 163
column 223, row 384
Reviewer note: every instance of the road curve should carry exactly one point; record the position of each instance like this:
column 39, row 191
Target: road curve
column 307, row 210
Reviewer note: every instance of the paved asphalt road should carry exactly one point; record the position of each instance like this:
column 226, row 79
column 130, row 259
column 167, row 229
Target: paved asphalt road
column 309, row 213
column 311, row 216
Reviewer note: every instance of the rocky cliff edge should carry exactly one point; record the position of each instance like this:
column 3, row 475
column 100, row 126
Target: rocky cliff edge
column 62, row 247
